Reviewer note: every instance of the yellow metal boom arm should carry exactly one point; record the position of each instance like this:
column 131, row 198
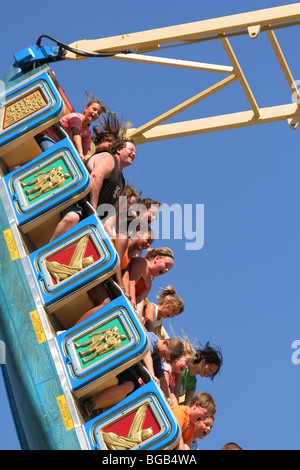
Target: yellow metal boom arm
column 136, row 47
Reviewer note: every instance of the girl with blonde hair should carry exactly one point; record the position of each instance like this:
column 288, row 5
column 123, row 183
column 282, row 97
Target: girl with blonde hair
column 173, row 368
column 169, row 304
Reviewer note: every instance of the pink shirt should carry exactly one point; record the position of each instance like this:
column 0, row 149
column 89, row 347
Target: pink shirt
column 168, row 368
column 69, row 121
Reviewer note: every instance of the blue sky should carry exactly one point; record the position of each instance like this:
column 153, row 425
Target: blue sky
column 241, row 290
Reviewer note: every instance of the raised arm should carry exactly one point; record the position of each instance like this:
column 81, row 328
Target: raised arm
column 149, row 315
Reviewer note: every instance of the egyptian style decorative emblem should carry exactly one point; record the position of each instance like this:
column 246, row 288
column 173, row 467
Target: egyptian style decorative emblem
column 100, row 342
column 23, row 107
column 78, row 262
column 45, row 181
column 136, row 434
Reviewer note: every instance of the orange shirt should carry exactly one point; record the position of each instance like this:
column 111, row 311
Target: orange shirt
column 140, row 287
column 187, row 427
column 125, row 259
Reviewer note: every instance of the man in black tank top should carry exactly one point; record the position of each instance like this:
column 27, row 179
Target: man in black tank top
column 113, row 186
column 108, row 182
column 106, row 172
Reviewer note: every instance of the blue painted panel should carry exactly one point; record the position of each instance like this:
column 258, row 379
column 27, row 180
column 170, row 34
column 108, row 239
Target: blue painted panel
column 28, row 203
column 77, row 346
column 95, row 250
column 29, row 102
column 30, row 369
column 118, row 419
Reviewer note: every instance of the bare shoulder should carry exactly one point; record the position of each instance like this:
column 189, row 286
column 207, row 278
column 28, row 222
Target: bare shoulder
column 150, row 308
column 149, row 311
column 103, row 160
column 138, row 261
column 138, row 266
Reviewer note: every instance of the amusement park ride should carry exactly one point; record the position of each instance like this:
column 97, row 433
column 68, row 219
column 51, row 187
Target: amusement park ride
column 48, row 374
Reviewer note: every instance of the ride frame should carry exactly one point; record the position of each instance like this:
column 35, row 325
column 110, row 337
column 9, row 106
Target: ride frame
column 38, row 425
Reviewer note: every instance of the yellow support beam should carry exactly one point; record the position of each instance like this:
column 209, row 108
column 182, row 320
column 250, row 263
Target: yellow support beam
column 283, row 64
column 240, row 75
column 153, row 38
column 136, row 47
column 289, row 112
column 183, row 106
